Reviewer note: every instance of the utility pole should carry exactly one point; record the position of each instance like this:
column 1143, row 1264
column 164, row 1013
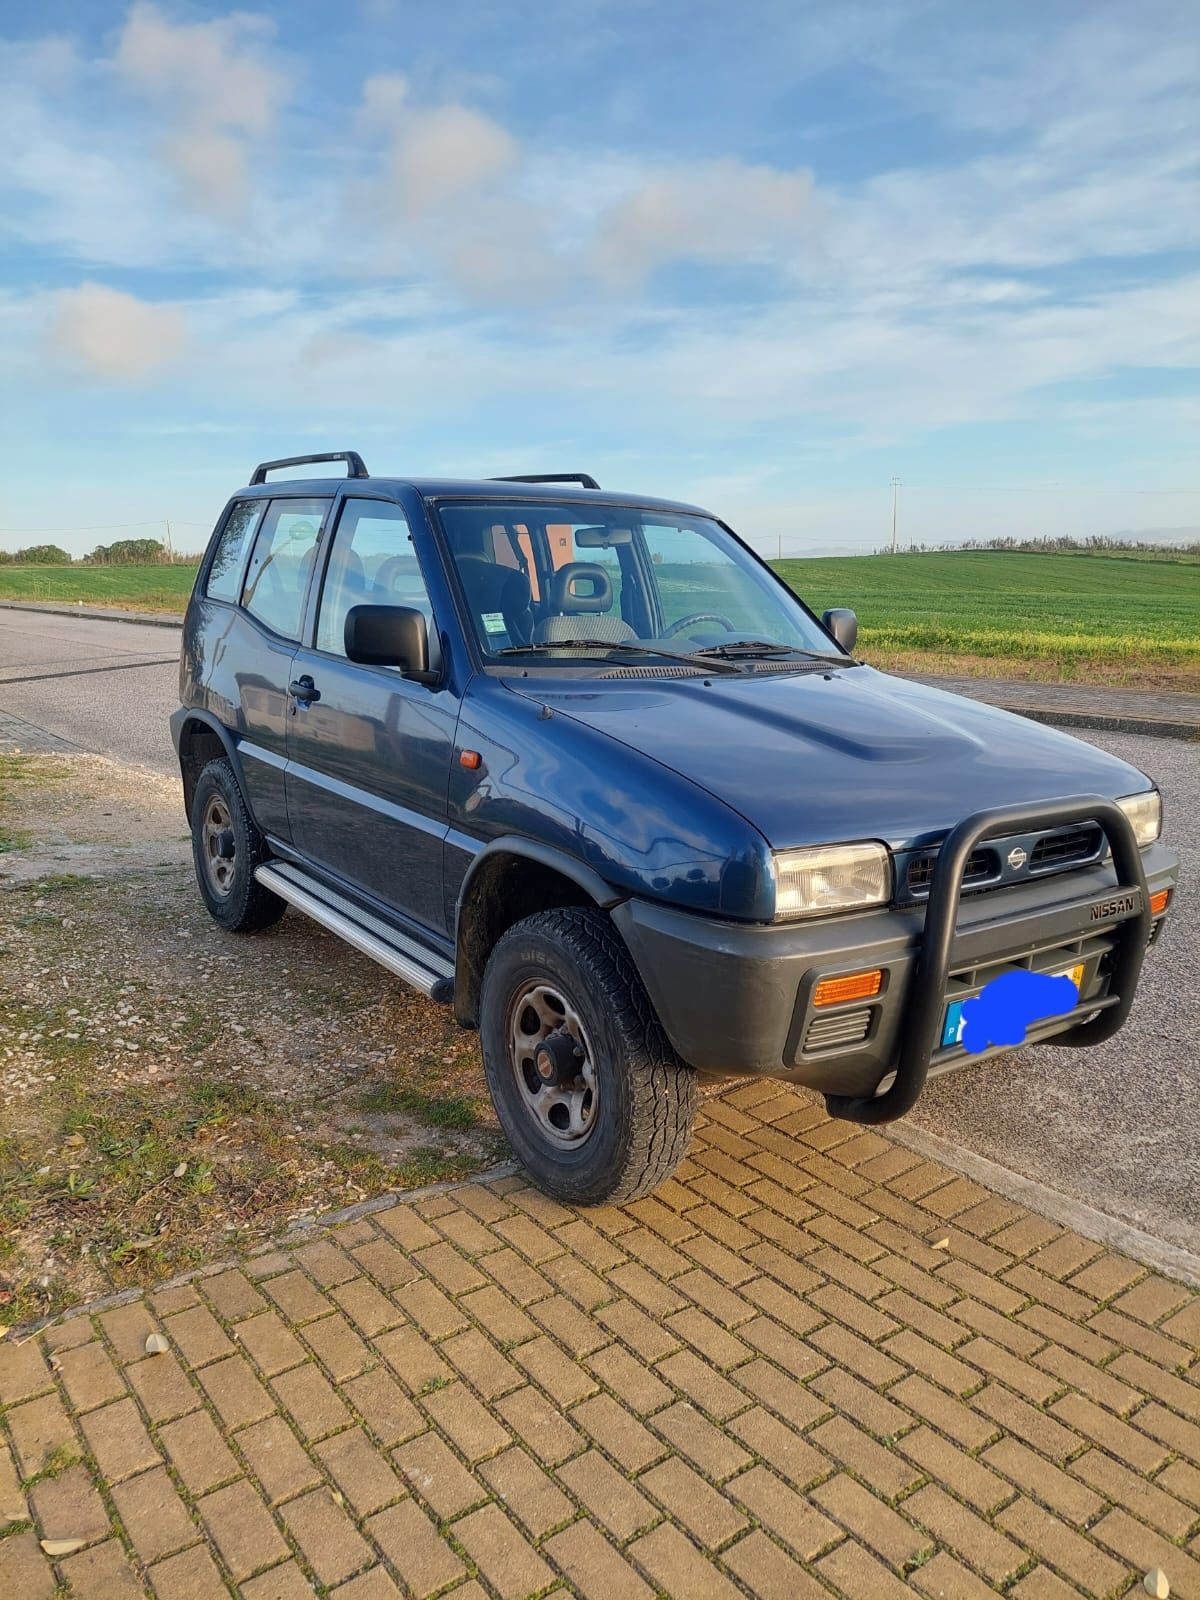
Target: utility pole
column 780, row 557
column 170, row 551
column 895, row 488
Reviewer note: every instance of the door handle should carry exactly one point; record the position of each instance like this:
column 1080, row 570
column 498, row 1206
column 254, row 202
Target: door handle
column 303, row 690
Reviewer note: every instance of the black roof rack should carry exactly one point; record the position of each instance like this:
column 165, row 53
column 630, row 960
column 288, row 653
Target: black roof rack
column 355, row 466
column 584, row 479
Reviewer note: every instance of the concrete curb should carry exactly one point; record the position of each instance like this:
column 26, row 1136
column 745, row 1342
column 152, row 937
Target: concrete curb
column 1172, row 1260
column 147, row 619
column 1156, row 727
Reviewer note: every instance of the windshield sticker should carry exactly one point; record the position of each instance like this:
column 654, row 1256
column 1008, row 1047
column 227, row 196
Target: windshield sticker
column 493, row 622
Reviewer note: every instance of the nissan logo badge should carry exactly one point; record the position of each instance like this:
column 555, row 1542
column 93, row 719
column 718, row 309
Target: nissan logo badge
column 1017, row 858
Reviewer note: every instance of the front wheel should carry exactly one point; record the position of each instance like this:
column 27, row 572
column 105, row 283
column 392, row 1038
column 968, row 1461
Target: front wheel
column 593, row 1098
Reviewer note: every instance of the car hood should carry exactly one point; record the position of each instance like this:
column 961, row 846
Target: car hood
column 813, row 757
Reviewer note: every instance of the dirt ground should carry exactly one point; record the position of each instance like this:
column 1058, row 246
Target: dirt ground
column 170, row 1092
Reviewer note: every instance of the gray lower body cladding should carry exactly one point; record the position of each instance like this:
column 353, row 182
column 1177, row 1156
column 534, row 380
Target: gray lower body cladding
column 737, row 998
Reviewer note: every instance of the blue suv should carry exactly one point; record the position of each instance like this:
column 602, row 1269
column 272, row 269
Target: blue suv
column 581, row 766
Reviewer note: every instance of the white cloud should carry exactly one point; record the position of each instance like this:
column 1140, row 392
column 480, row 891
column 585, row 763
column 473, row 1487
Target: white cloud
column 213, row 70
column 114, row 335
column 715, row 211
column 440, row 155
column 215, row 88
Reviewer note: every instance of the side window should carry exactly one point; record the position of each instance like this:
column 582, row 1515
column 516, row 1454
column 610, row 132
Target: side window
column 372, row 563
column 225, row 574
column 277, row 578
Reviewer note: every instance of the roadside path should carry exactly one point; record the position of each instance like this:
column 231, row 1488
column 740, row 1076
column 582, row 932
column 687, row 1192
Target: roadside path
column 813, row 1363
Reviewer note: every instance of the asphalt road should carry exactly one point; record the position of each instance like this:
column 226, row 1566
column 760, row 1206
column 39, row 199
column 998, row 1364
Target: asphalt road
column 70, row 683
column 1116, row 1127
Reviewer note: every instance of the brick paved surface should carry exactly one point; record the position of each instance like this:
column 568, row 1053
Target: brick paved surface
column 814, row 1363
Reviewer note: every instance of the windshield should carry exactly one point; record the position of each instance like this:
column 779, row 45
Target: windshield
column 569, row 579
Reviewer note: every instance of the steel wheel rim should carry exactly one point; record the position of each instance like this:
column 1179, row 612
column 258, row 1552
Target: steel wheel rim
column 217, row 847
column 564, row 1113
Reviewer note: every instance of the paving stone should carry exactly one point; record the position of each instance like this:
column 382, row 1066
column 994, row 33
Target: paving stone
column 118, row 1439
column 191, row 1575
column 235, row 1391
column 503, row 1554
column 232, row 1295
column 23, row 1371
column 277, row 1459
column 330, row 1542
column 438, row 1476
column 790, row 1516
column 465, row 1421
column 366, row 1306
column 768, row 1573
column 607, row 1495
column 310, row 1400
column 102, row 1573
column 412, row 1544
column 705, row 1512
column 154, row 1515
column 272, row 1345
column 163, row 1387
column 25, row 1573
column 280, row 1583
column 89, row 1376
column 388, row 1413
column 593, row 1567
column 361, row 1471
column 198, row 1336
column 527, row 1491
column 242, row 1529
column 68, row 1507
column 677, row 1567
column 198, row 1452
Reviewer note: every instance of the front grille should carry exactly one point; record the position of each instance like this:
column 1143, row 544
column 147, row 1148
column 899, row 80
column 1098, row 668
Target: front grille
column 1059, row 849
column 840, row 1027
column 981, row 865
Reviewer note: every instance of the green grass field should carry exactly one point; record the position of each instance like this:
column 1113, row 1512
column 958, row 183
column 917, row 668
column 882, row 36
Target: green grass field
column 157, row 588
column 1120, row 617
column 1120, row 611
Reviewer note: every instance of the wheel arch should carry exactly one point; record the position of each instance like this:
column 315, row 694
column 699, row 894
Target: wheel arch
column 203, row 739
column 509, row 880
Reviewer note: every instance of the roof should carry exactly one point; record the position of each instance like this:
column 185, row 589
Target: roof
column 473, row 489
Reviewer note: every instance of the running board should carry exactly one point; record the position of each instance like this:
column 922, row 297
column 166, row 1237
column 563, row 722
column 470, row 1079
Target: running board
column 432, row 974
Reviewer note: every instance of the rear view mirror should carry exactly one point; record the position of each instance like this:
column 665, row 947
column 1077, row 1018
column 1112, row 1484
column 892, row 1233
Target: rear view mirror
column 843, row 625
column 390, row 636
column 602, row 538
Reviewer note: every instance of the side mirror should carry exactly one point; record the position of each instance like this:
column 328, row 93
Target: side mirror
column 842, row 624
column 390, row 636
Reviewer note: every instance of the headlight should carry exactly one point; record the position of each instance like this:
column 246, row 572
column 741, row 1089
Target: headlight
column 835, row 877
column 1145, row 813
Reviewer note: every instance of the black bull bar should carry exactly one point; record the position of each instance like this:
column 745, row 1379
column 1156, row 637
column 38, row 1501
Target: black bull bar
column 1131, row 905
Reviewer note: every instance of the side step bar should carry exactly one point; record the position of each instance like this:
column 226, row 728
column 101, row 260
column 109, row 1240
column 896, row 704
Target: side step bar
column 432, row 974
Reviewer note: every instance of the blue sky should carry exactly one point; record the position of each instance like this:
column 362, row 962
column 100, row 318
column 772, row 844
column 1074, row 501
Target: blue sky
column 764, row 256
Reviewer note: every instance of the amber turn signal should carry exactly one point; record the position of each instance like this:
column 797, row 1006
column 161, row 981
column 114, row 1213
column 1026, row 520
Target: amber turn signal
column 470, row 759
column 856, row 986
column 1158, row 902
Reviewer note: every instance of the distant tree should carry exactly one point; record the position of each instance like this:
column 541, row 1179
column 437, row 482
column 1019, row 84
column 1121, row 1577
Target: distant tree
column 43, row 555
column 128, row 553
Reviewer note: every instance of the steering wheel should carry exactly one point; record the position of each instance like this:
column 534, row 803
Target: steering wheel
column 699, row 616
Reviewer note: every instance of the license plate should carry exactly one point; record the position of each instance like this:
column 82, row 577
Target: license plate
column 954, row 1022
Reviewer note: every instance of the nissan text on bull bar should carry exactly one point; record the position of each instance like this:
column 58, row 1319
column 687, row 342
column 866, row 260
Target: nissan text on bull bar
column 582, row 767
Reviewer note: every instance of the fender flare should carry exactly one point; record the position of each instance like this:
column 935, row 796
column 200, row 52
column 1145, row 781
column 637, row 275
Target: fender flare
column 215, row 726
column 469, row 958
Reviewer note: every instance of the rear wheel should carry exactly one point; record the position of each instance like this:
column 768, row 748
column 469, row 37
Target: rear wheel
column 593, row 1098
column 226, row 849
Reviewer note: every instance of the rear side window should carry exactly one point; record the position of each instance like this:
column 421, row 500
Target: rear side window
column 225, row 574
column 277, row 577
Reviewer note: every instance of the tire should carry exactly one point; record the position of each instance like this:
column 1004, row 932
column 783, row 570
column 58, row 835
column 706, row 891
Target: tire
column 636, row 1128
column 233, row 895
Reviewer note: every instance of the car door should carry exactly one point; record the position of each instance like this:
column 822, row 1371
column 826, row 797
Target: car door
column 369, row 750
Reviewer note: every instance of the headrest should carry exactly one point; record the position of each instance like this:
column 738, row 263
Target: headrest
column 566, row 596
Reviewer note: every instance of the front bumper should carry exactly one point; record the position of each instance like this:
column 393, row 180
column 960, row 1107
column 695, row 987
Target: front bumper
column 737, row 998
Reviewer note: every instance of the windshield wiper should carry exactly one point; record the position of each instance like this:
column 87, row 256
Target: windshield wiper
column 622, row 645
column 747, row 649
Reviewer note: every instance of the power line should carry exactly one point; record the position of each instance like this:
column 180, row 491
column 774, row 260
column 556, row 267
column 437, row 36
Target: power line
column 108, row 527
